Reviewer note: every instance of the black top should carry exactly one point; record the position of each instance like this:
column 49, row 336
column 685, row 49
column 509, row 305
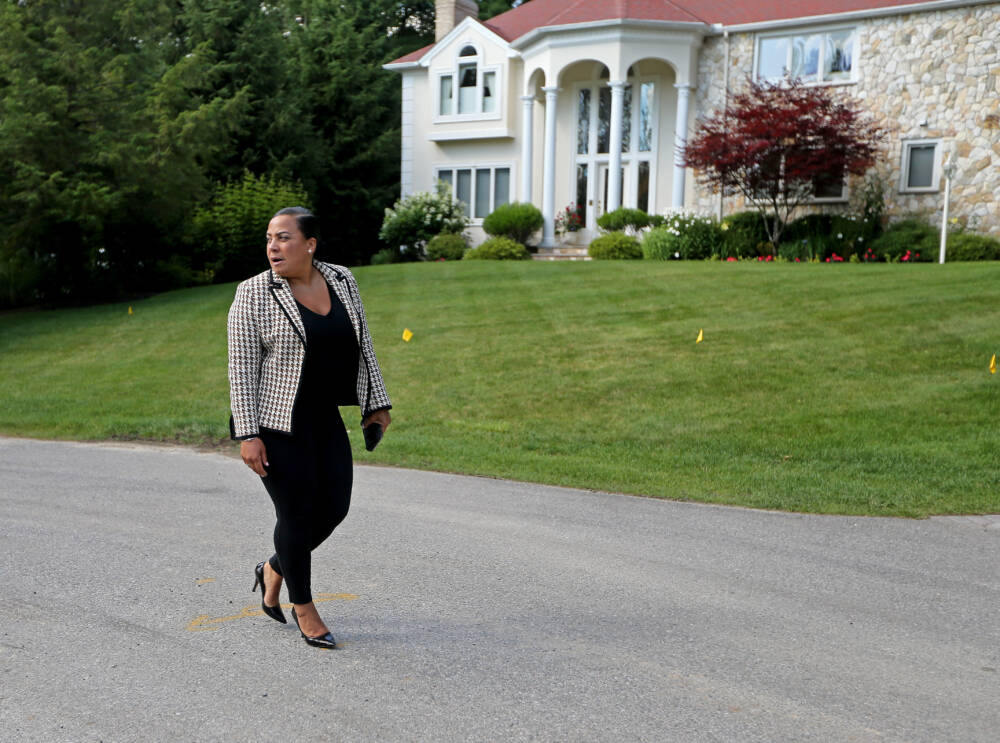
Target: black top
column 330, row 369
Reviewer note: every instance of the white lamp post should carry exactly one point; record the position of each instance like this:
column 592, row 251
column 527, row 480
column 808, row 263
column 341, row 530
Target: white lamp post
column 949, row 172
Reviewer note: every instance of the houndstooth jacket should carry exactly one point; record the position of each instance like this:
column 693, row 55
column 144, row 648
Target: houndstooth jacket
column 267, row 346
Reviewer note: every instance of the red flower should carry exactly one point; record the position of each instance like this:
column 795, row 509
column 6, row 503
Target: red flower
column 730, row 259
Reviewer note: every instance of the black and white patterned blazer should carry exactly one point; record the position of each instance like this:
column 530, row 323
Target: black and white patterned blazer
column 267, row 346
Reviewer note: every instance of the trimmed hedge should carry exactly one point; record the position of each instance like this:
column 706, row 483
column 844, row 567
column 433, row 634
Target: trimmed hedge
column 909, row 236
column 615, row 246
column 448, row 246
column 622, row 218
column 516, row 220
column 968, row 246
column 498, row 249
column 745, row 236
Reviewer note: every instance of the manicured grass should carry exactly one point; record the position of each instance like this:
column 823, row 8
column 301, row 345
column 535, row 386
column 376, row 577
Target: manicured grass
column 859, row 389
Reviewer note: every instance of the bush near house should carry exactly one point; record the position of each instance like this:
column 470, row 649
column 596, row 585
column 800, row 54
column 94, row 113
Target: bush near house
column 517, row 221
column 684, row 236
column 446, row 246
column 968, row 246
column 498, row 249
column 821, row 236
column 615, row 246
column 909, row 237
column 622, row 219
column 415, row 219
column 745, row 236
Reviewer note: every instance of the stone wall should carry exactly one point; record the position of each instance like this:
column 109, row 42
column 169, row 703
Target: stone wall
column 923, row 76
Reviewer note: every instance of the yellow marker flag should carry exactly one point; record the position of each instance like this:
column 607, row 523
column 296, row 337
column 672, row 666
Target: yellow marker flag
column 993, row 364
column 407, row 334
column 130, row 309
column 701, row 336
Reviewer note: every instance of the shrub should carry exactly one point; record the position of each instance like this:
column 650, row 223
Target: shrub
column 745, row 236
column 384, row 256
column 448, row 246
column 821, row 236
column 498, row 249
column 683, row 236
column 968, row 246
column 615, row 246
column 516, row 221
column 623, row 218
column 909, row 236
column 229, row 231
column 660, row 244
column 415, row 219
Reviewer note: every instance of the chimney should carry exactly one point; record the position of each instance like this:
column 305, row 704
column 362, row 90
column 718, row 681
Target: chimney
column 449, row 13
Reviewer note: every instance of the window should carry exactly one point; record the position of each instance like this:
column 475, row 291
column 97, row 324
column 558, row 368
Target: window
column 593, row 144
column 481, row 189
column 819, row 57
column 829, row 187
column 921, row 167
column 469, row 89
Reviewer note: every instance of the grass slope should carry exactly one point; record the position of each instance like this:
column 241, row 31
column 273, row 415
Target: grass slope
column 837, row 389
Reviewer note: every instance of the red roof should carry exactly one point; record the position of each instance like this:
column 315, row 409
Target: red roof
column 538, row 13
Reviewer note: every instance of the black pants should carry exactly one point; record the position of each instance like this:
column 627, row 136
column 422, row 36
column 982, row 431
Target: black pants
column 309, row 479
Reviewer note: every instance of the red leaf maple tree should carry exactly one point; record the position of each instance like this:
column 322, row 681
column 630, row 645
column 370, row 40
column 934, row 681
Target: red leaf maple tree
column 776, row 141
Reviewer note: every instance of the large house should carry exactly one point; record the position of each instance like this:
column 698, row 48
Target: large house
column 587, row 102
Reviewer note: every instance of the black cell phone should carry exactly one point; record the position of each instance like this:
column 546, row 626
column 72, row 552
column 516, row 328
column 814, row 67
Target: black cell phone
column 373, row 434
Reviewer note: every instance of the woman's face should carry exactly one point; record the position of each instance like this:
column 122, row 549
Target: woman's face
column 288, row 251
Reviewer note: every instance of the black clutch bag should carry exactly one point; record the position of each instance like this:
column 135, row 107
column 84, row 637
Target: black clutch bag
column 373, row 434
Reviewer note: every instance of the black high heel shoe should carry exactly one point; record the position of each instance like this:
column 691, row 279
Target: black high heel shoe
column 321, row 641
column 274, row 612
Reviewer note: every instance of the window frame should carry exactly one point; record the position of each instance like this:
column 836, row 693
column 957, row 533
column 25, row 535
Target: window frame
column 844, row 194
column 493, row 167
column 453, row 71
column 823, row 31
column 631, row 158
column 904, row 170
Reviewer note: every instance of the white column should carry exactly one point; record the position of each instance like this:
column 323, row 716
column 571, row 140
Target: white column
column 680, row 140
column 615, row 145
column 549, row 173
column 527, row 167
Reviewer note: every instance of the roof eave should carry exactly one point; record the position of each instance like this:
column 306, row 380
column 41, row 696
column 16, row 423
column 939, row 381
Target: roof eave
column 522, row 42
column 854, row 15
column 401, row 66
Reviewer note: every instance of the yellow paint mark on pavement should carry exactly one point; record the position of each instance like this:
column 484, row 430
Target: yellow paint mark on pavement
column 205, row 580
column 206, row 623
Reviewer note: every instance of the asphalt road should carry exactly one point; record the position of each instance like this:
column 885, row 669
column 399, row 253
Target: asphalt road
column 472, row 609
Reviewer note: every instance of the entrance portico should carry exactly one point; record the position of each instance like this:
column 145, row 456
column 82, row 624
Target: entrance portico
column 616, row 113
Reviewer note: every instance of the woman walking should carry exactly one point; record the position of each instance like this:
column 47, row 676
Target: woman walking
column 299, row 347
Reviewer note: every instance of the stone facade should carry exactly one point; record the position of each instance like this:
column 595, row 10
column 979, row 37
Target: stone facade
column 930, row 75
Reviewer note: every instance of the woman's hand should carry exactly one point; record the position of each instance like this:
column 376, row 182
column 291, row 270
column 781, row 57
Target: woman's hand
column 379, row 416
column 254, row 455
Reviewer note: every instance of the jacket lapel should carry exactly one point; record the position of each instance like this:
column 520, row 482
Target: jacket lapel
column 339, row 283
column 282, row 294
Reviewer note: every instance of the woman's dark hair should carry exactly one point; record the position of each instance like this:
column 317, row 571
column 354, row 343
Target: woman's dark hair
column 306, row 220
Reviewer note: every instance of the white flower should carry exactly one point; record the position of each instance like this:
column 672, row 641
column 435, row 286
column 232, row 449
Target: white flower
column 840, row 235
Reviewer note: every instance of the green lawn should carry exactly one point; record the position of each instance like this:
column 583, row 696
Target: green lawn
column 860, row 389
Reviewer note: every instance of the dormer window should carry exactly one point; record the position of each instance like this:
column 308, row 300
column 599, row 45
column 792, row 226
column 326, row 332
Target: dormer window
column 470, row 88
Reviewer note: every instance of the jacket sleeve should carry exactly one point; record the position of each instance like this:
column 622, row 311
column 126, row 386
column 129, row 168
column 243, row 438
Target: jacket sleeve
column 245, row 357
column 375, row 396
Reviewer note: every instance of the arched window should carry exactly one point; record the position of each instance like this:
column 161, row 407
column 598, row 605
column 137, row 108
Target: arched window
column 470, row 88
